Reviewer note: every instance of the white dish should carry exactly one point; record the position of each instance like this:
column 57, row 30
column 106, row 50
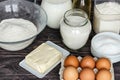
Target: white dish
column 34, row 72
column 114, row 57
column 79, row 68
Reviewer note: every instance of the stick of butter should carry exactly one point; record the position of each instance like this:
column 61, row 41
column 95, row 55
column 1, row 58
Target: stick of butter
column 43, row 58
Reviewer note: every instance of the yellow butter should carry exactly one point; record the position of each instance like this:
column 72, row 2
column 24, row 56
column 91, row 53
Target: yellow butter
column 43, row 58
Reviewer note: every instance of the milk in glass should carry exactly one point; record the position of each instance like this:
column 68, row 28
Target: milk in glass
column 75, row 29
column 55, row 10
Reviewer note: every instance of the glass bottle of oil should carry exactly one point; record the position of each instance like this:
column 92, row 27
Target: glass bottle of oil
column 83, row 4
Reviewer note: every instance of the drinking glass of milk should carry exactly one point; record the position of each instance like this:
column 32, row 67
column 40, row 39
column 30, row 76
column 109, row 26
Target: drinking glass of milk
column 55, row 10
column 107, row 16
column 75, row 28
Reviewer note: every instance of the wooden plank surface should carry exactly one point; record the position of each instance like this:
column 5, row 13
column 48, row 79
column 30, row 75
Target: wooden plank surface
column 10, row 70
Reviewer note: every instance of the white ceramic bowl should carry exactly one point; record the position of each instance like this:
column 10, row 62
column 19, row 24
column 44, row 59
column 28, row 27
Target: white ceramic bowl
column 106, row 36
column 26, row 10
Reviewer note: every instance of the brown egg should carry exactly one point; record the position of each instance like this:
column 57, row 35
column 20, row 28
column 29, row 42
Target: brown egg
column 70, row 73
column 87, row 61
column 71, row 61
column 87, row 74
column 103, row 63
column 104, row 74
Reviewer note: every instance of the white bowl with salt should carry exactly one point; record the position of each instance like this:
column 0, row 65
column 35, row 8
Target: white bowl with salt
column 106, row 44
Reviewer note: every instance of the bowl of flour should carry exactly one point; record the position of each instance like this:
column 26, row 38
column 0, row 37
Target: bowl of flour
column 20, row 22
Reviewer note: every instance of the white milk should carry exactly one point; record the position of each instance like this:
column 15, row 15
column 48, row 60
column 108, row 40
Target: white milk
column 55, row 10
column 75, row 37
column 13, row 30
column 107, row 17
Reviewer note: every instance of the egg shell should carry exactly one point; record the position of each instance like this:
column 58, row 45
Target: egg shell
column 103, row 74
column 70, row 73
column 87, row 61
column 71, row 61
column 103, row 63
column 79, row 68
column 87, row 74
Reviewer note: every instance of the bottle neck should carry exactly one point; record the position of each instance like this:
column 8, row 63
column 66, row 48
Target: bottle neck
column 82, row 3
column 76, row 18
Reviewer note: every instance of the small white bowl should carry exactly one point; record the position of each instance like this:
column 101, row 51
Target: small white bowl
column 106, row 38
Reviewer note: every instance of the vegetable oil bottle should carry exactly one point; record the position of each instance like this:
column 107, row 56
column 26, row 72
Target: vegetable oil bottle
column 84, row 5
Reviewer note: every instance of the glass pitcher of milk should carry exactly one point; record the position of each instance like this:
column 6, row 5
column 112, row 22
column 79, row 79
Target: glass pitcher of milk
column 55, row 10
